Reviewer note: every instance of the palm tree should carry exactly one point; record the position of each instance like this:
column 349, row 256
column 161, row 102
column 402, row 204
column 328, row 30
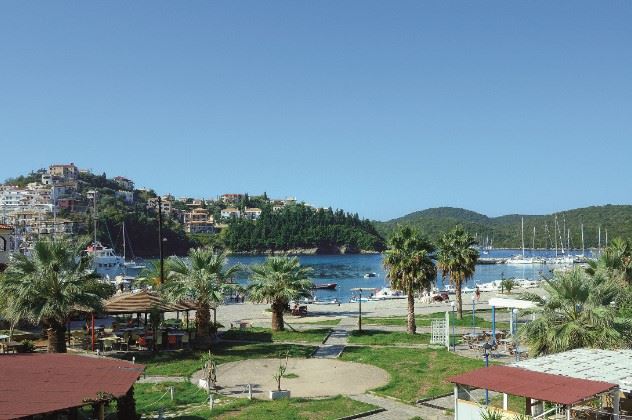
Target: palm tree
column 579, row 312
column 203, row 278
column 277, row 281
column 409, row 267
column 48, row 287
column 616, row 259
column 457, row 259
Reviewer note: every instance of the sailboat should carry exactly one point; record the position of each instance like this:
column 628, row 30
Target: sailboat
column 521, row 259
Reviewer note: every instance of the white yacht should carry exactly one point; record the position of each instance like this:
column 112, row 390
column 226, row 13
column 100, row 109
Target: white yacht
column 387, row 293
column 105, row 262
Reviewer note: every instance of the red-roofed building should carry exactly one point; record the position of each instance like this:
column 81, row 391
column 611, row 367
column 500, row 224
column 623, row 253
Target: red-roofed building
column 37, row 384
column 536, row 387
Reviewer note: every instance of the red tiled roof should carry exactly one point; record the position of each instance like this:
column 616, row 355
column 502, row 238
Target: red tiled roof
column 536, row 385
column 41, row 383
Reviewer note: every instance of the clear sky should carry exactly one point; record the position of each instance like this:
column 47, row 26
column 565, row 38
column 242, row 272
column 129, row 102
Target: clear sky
column 377, row 107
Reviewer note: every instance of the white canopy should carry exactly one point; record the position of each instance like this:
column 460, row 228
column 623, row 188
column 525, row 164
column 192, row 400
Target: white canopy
column 499, row 302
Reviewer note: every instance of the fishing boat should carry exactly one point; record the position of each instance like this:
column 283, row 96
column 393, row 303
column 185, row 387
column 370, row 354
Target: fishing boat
column 369, row 275
column 325, row 286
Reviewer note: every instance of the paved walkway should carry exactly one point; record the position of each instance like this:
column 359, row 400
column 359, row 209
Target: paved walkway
column 337, row 340
column 396, row 410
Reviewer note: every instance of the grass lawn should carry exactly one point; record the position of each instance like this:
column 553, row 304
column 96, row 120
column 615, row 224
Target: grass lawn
column 266, row 335
column 415, row 373
column 185, row 363
column 516, row 404
column 295, row 408
column 426, row 321
column 385, row 338
column 148, row 396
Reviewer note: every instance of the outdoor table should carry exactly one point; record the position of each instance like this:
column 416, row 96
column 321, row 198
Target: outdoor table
column 11, row 346
column 505, row 342
column 103, row 340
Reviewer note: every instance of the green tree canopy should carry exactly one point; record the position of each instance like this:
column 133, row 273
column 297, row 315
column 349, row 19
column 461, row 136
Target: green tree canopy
column 457, row 260
column 277, row 281
column 51, row 284
column 410, row 267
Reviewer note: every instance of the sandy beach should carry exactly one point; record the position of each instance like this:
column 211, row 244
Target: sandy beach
column 256, row 314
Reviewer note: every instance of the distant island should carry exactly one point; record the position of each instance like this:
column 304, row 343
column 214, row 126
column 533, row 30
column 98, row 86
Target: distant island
column 505, row 231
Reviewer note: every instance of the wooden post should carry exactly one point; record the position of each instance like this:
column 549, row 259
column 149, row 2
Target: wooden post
column 101, row 411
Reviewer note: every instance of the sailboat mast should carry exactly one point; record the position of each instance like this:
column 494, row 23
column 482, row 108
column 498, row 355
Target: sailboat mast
column 522, row 231
column 533, row 242
column 599, row 241
column 555, row 235
column 124, row 266
column 94, row 212
column 583, row 239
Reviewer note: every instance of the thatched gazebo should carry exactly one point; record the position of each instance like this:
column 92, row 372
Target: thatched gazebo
column 142, row 302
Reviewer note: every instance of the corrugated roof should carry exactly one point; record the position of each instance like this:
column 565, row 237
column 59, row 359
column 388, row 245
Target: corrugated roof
column 535, row 385
column 40, row 383
column 143, row 301
column 614, row 366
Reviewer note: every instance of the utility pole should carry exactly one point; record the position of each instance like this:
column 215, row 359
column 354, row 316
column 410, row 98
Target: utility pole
column 162, row 257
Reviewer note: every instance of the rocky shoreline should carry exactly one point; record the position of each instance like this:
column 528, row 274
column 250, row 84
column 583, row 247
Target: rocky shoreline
column 342, row 250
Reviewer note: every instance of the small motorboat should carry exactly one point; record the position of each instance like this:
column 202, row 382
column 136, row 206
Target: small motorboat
column 325, row 286
column 326, row 302
column 369, row 275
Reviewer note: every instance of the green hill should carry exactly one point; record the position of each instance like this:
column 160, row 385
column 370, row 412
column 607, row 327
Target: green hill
column 505, row 230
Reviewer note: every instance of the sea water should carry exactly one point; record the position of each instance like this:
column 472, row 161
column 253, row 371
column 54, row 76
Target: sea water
column 348, row 271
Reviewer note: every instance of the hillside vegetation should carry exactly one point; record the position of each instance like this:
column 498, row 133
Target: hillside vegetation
column 300, row 227
column 505, row 230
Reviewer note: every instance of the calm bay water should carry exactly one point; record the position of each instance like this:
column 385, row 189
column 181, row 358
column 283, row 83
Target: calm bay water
column 348, row 271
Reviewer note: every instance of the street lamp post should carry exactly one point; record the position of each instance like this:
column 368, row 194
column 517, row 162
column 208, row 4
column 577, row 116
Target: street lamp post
column 487, row 347
column 514, row 317
column 453, row 305
column 359, row 290
column 473, row 313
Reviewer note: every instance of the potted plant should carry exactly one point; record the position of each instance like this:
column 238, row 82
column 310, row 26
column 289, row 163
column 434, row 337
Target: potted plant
column 280, row 374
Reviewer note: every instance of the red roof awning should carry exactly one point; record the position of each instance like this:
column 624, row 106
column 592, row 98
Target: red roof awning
column 42, row 383
column 536, row 385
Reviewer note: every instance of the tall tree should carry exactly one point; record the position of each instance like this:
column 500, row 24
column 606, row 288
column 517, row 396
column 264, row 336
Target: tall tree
column 203, row 277
column 456, row 259
column 580, row 311
column 49, row 286
column 277, row 281
column 410, row 267
column 616, row 259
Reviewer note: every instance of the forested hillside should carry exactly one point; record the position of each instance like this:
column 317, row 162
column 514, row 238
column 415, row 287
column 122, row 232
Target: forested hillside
column 302, row 227
column 505, row 230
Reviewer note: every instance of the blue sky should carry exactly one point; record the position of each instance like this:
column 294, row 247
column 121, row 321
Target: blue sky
column 377, row 107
